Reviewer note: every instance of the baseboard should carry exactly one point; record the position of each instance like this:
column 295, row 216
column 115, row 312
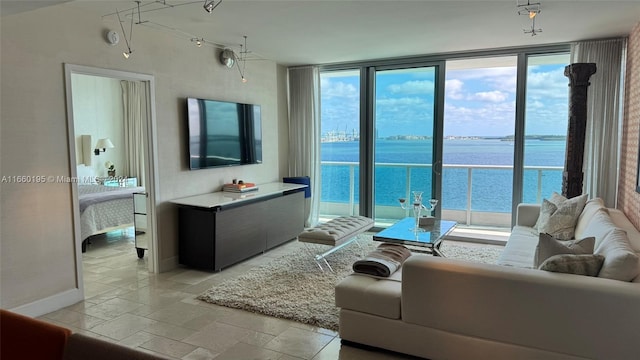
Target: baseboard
column 50, row 304
column 168, row 264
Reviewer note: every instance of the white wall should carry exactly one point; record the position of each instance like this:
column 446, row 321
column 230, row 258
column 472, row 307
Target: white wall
column 97, row 111
column 36, row 234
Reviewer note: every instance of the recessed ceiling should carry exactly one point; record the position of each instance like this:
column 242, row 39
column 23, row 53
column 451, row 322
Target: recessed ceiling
column 319, row 32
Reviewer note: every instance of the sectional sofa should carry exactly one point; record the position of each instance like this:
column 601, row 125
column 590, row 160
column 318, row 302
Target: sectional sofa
column 440, row 308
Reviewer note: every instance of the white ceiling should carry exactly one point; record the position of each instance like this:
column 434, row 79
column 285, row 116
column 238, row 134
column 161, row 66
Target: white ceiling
column 298, row 32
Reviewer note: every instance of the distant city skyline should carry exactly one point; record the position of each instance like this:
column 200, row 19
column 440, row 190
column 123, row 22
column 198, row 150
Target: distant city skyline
column 478, row 102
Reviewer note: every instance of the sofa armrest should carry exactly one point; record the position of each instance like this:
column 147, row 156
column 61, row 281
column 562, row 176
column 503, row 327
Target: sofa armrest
column 527, row 214
column 23, row 337
column 563, row 313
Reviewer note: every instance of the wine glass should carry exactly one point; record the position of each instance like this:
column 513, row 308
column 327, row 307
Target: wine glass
column 433, row 203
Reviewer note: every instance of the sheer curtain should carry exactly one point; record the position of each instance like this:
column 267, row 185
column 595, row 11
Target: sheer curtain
column 604, row 115
column 133, row 130
column 304, row 132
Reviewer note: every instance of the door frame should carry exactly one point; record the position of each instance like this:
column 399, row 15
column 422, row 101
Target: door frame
column 151, row 159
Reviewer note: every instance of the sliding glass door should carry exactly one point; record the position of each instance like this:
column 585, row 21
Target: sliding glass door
column 404, row 119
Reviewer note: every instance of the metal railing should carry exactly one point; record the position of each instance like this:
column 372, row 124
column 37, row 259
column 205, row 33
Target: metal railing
column 463, row 214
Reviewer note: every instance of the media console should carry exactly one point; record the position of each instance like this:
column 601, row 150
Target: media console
column 219, row 229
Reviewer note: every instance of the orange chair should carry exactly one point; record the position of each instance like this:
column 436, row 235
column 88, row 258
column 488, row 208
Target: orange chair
column 22, row 337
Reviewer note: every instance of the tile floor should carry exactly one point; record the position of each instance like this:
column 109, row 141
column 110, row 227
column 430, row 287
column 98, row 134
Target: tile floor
column 158, row 313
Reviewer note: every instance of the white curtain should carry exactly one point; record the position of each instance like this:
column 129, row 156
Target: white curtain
column 604, row 115
column 133, row 130
column 304, row 132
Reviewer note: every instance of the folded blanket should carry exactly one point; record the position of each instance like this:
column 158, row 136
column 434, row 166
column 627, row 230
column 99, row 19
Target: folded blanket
column 383, row 261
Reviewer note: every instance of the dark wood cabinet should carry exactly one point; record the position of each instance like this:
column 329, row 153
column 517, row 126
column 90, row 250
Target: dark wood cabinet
column 216, row 237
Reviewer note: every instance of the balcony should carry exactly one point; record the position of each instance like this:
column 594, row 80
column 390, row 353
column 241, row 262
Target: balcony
column 478, row 197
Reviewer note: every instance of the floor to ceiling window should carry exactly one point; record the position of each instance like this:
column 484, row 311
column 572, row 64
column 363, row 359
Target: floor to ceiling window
column 340, row 143
column 479, row 126
column 546, row 122
column 397, row 126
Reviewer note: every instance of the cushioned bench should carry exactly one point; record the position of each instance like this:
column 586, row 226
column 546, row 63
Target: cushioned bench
column 336, row 233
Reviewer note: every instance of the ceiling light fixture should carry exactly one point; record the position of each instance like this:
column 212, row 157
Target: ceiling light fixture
column 243, row 59
column 198, row 41
column 210, row 5
column 127, row 53
column 229, row 58
column 531, row 10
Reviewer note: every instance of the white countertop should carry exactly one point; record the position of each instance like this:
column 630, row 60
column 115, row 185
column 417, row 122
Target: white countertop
column 222, row 198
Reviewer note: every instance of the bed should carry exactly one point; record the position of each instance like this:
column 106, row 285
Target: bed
column 105, row 208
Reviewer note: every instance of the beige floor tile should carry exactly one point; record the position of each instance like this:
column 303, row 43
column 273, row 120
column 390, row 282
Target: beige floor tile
column 168, row 346
column 112, row 308
column 191, row 277
column 169, row 331
column 300, row 343
column 123, row 326
column 257, row 322
column 248, row 352
column 200, row 354
column 92, row 289
column 137, row 339
column 289, row 357
column 178, row 313
column 217, row 337
column 213, row 314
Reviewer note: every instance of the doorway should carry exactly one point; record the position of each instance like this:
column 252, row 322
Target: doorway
column 143, row 145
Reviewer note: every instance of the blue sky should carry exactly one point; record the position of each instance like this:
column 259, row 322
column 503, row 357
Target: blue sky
column 478, row 102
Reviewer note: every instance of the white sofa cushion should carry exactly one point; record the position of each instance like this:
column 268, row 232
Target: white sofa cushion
column 599, row 226
column 370, row 295
column 585, row 264
column 559, row 217
column 548, row 247
column 520, row 248
column 590, row 209
column 620, row 261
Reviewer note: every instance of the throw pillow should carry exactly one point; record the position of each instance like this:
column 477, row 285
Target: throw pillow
column 546, row 210
column 590, row 208
column 599, row 226
column 588, row 264
column 620, row 261
column 548, row 246
column 562, row 222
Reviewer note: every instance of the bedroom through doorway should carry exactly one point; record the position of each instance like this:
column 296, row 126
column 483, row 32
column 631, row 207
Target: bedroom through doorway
column 110, row 122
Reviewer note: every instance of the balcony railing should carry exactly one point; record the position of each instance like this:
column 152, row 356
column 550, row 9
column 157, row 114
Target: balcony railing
column 471, row 194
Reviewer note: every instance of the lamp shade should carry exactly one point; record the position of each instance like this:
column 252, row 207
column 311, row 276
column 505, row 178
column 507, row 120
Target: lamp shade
column 104, row 144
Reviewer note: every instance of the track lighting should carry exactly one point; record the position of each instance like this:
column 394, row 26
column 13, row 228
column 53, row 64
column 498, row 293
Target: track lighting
column 531, row 10
column 210, row 5
column 127, row 53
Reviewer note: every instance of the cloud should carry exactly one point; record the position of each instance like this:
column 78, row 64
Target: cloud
column 547, row 84
column 490, row 96
column 412, row 87
column 332, row 89
column 453, row 89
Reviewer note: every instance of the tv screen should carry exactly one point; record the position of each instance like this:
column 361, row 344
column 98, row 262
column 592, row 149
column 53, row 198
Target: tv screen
column 223, row 133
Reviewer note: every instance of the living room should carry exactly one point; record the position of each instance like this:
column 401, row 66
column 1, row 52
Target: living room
column 39, row 262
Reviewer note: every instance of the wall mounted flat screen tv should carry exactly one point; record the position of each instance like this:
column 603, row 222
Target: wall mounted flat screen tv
column 223, row 133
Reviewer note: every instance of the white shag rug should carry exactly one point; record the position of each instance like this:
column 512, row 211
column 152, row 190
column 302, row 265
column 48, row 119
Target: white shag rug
column 293, row 287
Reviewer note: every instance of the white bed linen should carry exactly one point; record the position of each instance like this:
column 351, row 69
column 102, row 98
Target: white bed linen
column 105, row 216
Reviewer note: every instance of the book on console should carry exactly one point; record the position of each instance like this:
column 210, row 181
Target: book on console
column 239, row 188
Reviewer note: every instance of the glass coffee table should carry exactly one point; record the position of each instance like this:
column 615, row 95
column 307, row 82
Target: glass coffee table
column 428, row 240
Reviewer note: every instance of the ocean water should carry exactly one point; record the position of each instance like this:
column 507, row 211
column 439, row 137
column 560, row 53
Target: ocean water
column 402, row 161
